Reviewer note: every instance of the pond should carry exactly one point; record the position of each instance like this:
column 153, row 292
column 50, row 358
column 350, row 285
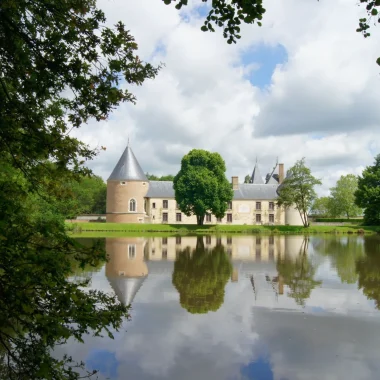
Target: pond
column 240, row 307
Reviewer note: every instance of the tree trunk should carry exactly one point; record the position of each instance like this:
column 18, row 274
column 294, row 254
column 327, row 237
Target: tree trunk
column 200, row 219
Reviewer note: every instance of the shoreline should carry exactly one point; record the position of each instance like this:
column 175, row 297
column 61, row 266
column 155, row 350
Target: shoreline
column 123, row 229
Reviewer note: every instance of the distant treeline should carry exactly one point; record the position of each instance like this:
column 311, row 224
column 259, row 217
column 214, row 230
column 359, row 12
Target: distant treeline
column 152, row 177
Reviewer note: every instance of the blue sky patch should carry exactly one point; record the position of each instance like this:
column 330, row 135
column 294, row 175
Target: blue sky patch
column 104, row 361
column 264, row 60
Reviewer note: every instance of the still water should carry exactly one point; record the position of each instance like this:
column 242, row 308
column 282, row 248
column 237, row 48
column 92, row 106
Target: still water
column 262, row 308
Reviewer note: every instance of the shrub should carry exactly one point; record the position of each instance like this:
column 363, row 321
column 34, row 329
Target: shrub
column 337, row 220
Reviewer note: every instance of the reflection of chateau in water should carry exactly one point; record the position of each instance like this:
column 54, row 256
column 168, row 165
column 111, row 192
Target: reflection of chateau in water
column 253, row 259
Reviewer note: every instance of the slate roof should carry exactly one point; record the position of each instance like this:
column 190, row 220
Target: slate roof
column 256, row 176
column 160, row 189
column 128, row 168
column 164, row 189
column 254, row 191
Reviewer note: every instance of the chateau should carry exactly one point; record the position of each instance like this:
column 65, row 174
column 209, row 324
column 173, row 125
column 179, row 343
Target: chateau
column 132, row 198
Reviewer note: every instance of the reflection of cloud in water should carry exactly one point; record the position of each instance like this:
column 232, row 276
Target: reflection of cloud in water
column 103, row 361
column 264, row 338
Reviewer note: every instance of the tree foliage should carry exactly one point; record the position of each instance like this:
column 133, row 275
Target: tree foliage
column 60, row 66
column 201, row 185
column 367, row 196
column 298, row 273
column 247, row 179
column 321, row 207
column 342, row 199
column 152, row 177
column 297, row 190
column 229, row 15
column 200, row 276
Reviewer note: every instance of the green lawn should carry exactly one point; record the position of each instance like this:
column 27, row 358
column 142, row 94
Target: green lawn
column 124, row 229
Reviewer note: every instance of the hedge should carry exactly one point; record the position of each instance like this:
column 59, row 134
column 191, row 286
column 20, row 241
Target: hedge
column 338, row 220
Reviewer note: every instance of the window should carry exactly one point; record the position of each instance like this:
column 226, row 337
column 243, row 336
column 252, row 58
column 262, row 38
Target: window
column 229, row 240
column 131, row 251
column 178, row 217
column 230, row 205
column 258, row 218
column 258, row 240
column 153, row 251
column 218, row 241
column 154, row 205
column 229, row 251
column 177, row 252
column 271, row 240
column 229, row 218
column 218, row 219
column 178, row 240
column 132, row 205
column 123, row 183
column 271, row 206
column 164, row 241
column 165, row 204
column 208, row 217
column 144, row 183
column 165, row 217
column 271, row 218
column 208, row 239
column 164, row 253
column 177, row 205
column 258, row 205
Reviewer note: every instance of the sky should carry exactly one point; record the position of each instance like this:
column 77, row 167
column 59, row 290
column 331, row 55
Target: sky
column 305, row 84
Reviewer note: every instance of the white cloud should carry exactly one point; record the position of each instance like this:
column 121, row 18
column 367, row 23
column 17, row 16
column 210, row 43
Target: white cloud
column 203, row 99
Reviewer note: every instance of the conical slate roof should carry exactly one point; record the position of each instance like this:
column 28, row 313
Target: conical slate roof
column 256, row 176
column 128, row 168
column 126, row 288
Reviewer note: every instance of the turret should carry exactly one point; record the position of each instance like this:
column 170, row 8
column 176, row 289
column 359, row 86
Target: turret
column 292, row 215
column 126, row 189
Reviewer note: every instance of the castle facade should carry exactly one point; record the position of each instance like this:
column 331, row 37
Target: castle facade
column 132, row 198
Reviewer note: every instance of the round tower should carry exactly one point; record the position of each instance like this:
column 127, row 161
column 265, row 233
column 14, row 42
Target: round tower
column 292, row 215
column 126, row 190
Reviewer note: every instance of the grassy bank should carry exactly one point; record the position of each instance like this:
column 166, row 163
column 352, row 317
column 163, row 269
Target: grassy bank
column 123, row 229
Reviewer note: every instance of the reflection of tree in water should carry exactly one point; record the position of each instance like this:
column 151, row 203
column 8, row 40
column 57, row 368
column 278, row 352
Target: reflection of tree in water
column 344, row 253
column 298, row 274
column 368, row 269
column 200, row 276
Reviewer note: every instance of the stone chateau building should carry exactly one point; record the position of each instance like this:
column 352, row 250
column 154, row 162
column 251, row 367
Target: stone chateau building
column 132, row 198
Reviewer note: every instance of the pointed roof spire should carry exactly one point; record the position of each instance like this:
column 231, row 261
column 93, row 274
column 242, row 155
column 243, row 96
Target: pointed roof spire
column 127, row 168
column 256, row 175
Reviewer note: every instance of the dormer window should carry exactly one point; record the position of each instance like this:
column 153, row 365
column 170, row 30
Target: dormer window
column 123, row 183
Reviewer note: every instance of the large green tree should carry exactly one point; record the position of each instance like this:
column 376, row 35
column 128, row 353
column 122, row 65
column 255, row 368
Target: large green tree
column 367, row 196
column 342, row 199
column 200, row 276
column 297, row 190
column 59, row 67
column 321, row 207
column 152, row 177
column 201, row 185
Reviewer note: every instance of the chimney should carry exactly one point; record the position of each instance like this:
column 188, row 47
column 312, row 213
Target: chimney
column 281, row 175
column 235, row 183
